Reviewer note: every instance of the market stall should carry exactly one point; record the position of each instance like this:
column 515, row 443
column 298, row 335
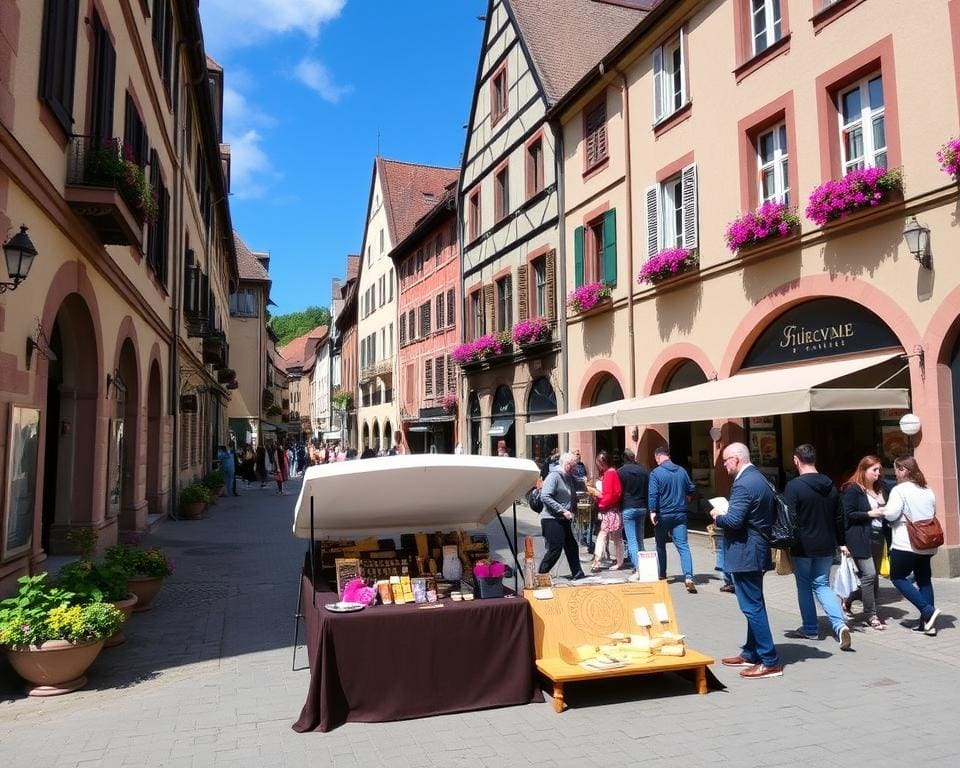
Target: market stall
column 417, row 658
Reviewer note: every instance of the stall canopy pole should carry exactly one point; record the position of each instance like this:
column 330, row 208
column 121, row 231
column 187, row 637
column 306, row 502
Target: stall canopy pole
column 313, row 574
column 511, row 544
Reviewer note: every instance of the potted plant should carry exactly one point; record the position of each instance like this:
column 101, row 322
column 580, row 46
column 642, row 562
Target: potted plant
column 215, row 482
column 342, row 399
column 586, row 297
column 667, row 263
column 859, row 189
column 107, row 164
column 771, row 220
column 51, row 641
column 464, row 354
column 145, row 569
column 531, row 331
column 193, row 500
column 99, row 582
column 449, row 402
column 949, row 157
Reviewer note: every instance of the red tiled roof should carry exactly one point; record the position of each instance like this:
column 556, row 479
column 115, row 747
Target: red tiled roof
column 567, row 38
column 248, row 264
column 296, row 351
column 410, row 191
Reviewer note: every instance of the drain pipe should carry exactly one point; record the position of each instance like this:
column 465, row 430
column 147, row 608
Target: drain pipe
column 562, row 261
column 628, row 178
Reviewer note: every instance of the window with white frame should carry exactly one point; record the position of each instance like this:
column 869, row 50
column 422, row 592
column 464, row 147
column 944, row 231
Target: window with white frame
column 772, row 164
column 765, row 24
column 540, row 287
column 863, row 137
column 672, row 212
column 669, row 77
column 504, row 304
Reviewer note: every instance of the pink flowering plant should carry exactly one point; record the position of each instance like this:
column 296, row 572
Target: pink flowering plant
column 768, row 221
column 529, row 331
column 669, row 262
column 586, row 297
column 449, row 402
column 477, row 349
column 859, row 189
column 949, row 157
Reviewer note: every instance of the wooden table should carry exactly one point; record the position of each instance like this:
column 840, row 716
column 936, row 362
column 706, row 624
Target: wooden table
column 587, row 615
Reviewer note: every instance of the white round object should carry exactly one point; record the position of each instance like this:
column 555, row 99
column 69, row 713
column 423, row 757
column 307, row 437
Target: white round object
column 910, row 424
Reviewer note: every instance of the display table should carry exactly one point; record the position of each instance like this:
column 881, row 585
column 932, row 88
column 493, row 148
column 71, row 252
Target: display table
column 395, row 662
column 588, row 615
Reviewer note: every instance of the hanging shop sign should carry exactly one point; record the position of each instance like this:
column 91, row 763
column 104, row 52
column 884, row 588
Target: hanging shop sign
column 820, row 328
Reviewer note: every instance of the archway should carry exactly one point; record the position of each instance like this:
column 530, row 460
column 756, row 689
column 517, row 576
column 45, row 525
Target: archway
column 541, row 404
column 73, row 398
column 366, row 436
column 608, row 390
column 476, row 443
column 154, row 437
column 387, row 435
column 124, row 435
column 502, row 427
column 690, row 444
column 375, row 435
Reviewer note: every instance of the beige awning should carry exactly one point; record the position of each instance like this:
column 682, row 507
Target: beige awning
column 791, row 389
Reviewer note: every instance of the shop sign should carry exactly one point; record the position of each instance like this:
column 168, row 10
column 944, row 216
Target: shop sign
column 820, row 328
column 188, row 403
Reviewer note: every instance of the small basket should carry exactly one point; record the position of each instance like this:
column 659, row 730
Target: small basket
column 489, row 586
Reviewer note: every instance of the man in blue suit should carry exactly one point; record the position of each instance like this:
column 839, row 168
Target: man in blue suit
column 746, row 522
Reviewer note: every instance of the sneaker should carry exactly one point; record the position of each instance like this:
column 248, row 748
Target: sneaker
column 932, row 621
column 932, row 632
column 845, row 638
column 801, row 634
column 759, row 671
column 737, row 661
column 691, row 587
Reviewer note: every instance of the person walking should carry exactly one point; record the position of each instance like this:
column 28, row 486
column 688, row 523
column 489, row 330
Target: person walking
column 912, row 500
column 747, row 521
column 635, row 482
column 261, row 465
column 608, row 499
column 559, row 502
column 670, row 489
column 862, row 497
column 819, row 517
column 229, row 468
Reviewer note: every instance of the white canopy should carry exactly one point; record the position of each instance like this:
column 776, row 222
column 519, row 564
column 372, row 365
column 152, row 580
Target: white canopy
column 408, row 494
column 791, row 389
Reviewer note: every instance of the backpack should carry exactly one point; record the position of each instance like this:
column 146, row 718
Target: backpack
column 534, row 501
column 783, row 533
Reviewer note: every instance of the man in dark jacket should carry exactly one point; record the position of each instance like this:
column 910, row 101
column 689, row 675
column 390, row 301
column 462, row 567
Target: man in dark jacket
column 670, row 490
column 635, row 482
column 816, row 506
column 748, row 519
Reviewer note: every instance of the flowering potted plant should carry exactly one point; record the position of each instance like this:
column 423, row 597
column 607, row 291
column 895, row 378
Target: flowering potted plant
column 586, row 297
column 949, row 157
column 98, row 581
column 488, row 577
column 859, row 189
column 449, row 402
column 49, row 640
column 530, row 331
column 669, row 262
column 112, row 164
column 472, row 351
column 193, row 500
column 342, row 399
column 215, row 482
column 770, row 220
column 145, row 568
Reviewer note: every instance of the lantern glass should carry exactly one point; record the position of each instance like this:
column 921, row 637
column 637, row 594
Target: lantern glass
column 19, row 253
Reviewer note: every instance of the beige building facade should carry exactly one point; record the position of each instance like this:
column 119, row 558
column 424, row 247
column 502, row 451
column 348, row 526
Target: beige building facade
column 708, row 111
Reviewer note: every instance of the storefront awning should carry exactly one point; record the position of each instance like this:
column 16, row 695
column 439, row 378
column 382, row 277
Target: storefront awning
column 791, row 389
column 332, row 435
column 500, row 427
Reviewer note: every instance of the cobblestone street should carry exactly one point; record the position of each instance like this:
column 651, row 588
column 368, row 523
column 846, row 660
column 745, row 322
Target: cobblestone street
column 205, row 680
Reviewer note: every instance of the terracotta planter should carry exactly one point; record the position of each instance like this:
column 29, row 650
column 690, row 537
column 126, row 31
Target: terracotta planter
column 125, row 607
column 192, row 511
column 145, row 588
column 55, row 667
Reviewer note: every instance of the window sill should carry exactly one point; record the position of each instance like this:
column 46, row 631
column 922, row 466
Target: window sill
column 596, row 168
column 831, row 13
column 673, row 119
column 751, row 65
column 494, row 119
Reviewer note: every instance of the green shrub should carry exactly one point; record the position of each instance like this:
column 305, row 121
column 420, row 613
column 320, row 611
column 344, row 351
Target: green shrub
column 198, row 493
column 94, row 582
column 214, row 480
column 135, row 561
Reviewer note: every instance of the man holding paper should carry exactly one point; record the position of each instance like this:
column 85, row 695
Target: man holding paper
column 747, row 520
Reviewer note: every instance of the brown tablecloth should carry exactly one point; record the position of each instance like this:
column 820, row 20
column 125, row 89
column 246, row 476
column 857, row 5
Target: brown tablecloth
column 395, row 662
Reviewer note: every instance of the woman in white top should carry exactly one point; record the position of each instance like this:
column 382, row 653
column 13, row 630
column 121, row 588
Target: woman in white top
column 911, row 499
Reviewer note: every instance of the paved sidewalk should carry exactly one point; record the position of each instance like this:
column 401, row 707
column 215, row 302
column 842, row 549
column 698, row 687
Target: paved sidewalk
column 205, row 680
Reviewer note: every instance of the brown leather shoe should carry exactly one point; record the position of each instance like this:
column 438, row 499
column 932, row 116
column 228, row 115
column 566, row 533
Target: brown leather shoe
column 691, row 587
column 759, row 670
column 728, row 588
column 737, row 661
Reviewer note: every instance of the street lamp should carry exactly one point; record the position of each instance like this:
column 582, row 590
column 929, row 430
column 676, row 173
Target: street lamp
column 917, row 237
column 19, row 253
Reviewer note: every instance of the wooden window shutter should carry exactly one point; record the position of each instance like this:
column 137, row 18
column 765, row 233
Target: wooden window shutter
column 58, row 60
column 403, row 328
column 438, row 373
column 609, row 266
column 551, row 270
column 412, row 325
column 428, row 377
column 104, row 75
column 451, row 307
column 653, row 229
column 688, row 183
column 439, row 311
column 451, row 375
column 489, row 305
column 411, row 383
column 578, row 257
column 658, row 84
column 523, row 293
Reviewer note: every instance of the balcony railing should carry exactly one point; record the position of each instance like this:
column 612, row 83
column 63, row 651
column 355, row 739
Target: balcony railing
column 379, row 368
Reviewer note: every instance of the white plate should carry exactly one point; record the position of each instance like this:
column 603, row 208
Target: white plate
column 344, row 607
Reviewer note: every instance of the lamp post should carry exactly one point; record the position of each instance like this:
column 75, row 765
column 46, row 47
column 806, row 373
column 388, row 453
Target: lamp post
column 19, row 253
column 917, row 237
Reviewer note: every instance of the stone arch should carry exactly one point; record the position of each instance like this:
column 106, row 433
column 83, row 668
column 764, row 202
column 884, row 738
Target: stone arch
column 365, row 436
column 154, row 478
column 671, row 358
column 594, row 376
column 375, row 435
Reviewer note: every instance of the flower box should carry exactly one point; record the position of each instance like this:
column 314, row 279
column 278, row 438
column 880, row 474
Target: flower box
column 477, row 350
column 668, row 263
column 770, row 221
column 949, row 157
column 860, row 189
column 530, row 331
column 588, row 296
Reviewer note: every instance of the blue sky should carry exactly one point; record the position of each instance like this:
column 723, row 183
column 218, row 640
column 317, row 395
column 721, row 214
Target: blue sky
column 308, row 85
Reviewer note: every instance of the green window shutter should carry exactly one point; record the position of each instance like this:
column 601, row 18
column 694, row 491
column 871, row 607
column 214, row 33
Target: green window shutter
column 578, row 256
column 610, row 247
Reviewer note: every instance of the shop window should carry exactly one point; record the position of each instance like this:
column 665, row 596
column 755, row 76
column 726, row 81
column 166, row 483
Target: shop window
column 672, row 212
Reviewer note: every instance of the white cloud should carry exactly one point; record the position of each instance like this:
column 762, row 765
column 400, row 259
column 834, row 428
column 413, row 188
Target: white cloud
column 236, row 23
column 250, row 168
column 317, row 78
column 237, row 111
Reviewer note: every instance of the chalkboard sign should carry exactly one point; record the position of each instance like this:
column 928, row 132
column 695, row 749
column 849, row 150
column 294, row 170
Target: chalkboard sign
column 20, row 491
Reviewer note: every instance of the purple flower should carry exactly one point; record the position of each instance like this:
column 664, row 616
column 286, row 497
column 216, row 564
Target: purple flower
column 527, row 331
column 670, row 261
column 586, row 297
column 858, row 189
column 768, row 220
column 949, row 157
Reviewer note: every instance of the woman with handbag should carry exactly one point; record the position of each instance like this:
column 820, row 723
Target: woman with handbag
column 608, row 505
column 864, row 494
column 911, row 512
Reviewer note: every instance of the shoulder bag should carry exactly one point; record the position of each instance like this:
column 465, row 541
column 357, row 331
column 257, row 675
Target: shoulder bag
column 924, row 534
